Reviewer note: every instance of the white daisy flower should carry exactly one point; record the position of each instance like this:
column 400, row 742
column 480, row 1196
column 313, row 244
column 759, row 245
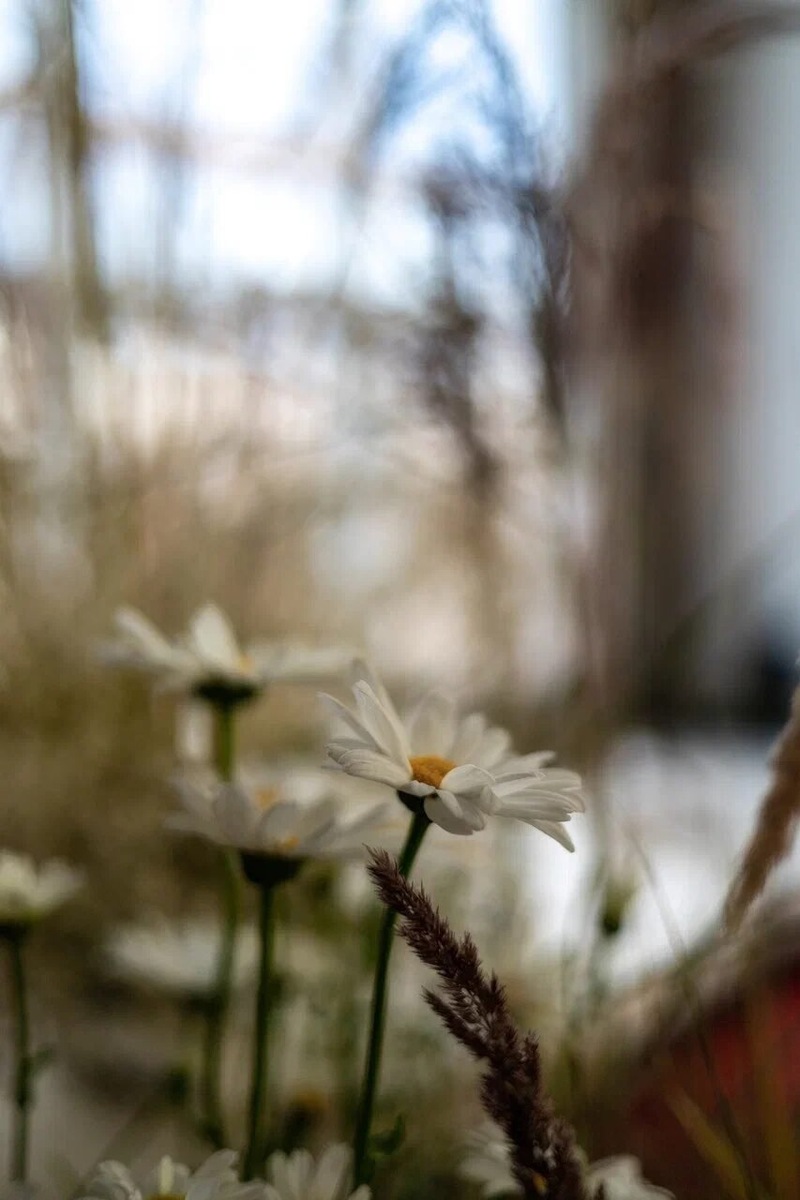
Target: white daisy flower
column 208, row 660
column 216, row 1179
column 487, row 1164
column 459, row 768
column 298, row 1177
column 29, row 892
column 621, row 1179
column 179, row 957
column 278, row 820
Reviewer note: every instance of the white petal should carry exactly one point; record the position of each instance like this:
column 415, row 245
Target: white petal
column 467, row 736
column 491, row 748
column 300, row 1170
column 212, row 639
column 555, row 830
column 465, row 779
column 431, row 726
column 294, row 663
column 332, row 1169
column 368, row 764
column 341, row 712
column 543, row 786
column 447, row 811
column 536, row 808
column 415, row 788
column 235, row 816
column 364, row 672
column 382, row 723
column 147, row 641
column 524, row 764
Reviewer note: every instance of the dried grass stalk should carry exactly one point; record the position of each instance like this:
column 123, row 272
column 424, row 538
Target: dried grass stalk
column 473, row 1007
column 777, row 819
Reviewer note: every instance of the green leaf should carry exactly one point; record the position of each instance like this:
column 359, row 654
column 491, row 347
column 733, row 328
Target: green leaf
column 383, row 1145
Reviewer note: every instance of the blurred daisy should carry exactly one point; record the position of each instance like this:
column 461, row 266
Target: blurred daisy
column 298, row 1177
column 180, row 958
column 621, row 1179
column 208, row 660
column 459, row 769
column 274, row 821
column 29, row 892
column 487, row 1164
column 216, row 1179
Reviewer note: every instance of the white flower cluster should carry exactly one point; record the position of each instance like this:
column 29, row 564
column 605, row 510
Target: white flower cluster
column 289, row 1177
column 216, row 1179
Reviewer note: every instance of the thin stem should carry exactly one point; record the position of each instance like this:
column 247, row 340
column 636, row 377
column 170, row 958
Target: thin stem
column 23, row 1063
column 225, row 740
column 369, row 1087
column 258, row 1086
column 219, row 1001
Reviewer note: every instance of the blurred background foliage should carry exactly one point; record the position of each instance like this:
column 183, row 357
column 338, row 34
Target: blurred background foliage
column 415, row 326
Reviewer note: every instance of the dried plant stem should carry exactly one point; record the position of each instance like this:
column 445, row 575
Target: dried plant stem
column 416, row 833
column 260, row 1036
column 473, row 1007
column 23, row 1062
column 219, row 1001
column 772, row 837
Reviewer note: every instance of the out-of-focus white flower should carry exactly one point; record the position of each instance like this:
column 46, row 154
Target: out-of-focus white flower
column 458, row 768
column 180, row 957
column 275, row 820
column 29, row 892
column 298, row 1177
column 621, row 1179
column 487, row 1164
column 216, row 1179
column 208, row 660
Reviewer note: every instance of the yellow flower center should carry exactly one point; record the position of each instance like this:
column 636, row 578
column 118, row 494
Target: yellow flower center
column 430, row 769
column 540, row 1184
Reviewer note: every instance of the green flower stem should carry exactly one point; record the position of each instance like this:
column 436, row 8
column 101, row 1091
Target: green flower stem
column 225, row 739
column 416, row 832
column 258, row 1085
column 219, row 1001
column 23, row 1061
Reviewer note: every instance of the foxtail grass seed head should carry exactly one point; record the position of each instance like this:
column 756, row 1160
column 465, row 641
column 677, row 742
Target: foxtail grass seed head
column 487, row 1164
column 472, row 1005
column 772, row 837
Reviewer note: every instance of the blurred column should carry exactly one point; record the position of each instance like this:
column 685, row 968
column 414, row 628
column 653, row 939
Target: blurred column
column 762, row 442
column 646, row 332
